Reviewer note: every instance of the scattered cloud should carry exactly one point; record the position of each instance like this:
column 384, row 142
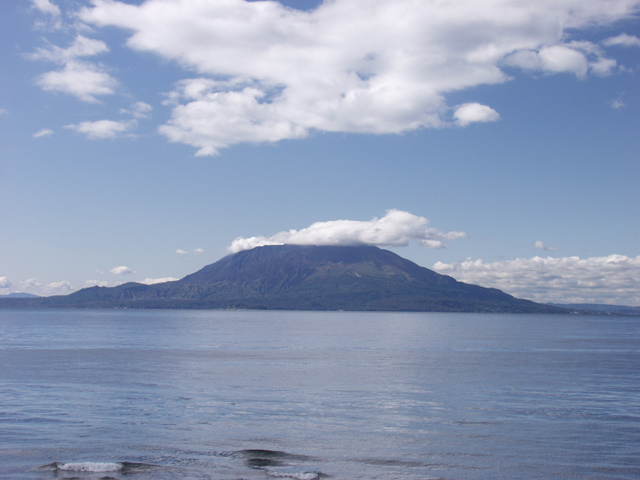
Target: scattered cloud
column 102, row 129
column 613, row 279
column 262, row 72
column 121, row 270
column 538, row 245
column 395, row 229
column 475, row 112
column 82, row 79
column 34, row 287
column 617, row 103
column 45, row 132
column 51, row 19
column 45, row 6
column 97, row 283
column 195, row 251
column 153, row 281
column 5, row 282
column 107, row 129
column 31, row 282
column 60, row 288
column 4, row 111
column 81, row 47
column 138, row 110
column 578, row 58
column 622, row 40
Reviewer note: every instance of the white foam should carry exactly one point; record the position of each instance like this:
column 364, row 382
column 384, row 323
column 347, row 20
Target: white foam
column 95, row 467
column 296, row 475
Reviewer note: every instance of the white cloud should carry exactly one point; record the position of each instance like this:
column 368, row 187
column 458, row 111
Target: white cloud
column 216, row 119
column 265, row 72
column 195, row 251
column 102, row 129
column 153, row 281
column 45, row 6
column 613, row 279
column 578, row 58
column 81, row 47
column 560, row 58
column 121, row 270
column 395, row 229
column 138, row 110
column 59, row 288
column 79, row 78
column 43, row 133
column 623, row 40
column 538, row 245
column 5, row 282
column 31, row 282
column 4, row 111
column 475, row 112
column 97, row 283
column 34, row 287
column 617, row 103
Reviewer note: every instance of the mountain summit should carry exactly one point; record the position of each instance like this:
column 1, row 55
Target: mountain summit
column 303, row 277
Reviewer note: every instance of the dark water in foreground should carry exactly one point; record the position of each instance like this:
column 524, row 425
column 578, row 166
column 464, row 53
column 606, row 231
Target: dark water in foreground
column 258, row 395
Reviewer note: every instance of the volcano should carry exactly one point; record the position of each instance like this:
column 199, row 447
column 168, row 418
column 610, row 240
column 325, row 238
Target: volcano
column 302, row 277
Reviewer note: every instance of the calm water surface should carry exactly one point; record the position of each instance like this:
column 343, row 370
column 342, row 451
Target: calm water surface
column 307, row 395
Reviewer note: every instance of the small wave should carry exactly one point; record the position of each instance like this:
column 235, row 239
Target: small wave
column 93, row 467
column 296, row 475
column 280, row 464
column 96, row 467
column 273, row 454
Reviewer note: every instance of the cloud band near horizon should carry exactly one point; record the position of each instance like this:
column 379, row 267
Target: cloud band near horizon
column 613, row 279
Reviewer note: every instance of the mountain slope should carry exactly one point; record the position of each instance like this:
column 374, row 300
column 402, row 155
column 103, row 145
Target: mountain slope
column 296, row 277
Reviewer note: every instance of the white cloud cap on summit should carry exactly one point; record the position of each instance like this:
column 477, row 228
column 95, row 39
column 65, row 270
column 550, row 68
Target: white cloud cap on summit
column 395, row 229
column 263, row 72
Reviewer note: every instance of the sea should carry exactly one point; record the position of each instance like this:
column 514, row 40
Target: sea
column 259, row 395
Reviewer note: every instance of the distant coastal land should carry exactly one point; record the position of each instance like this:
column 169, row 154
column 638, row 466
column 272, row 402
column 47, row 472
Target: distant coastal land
column 304, row 277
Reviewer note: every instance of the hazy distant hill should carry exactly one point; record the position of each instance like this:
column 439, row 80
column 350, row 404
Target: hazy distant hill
column 295, row 277
column 19, row 295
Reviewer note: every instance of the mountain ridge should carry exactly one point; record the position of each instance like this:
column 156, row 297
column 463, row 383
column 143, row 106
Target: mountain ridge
column 304, row 277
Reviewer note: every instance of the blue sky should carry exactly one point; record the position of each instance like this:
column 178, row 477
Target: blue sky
column 494, row 141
